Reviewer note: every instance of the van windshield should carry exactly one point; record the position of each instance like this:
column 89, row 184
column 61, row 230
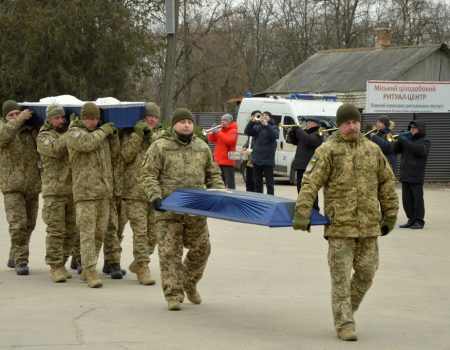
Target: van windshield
column 326, row 122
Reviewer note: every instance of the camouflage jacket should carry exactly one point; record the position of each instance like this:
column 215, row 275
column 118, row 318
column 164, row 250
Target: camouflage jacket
column 356, row 179
column 170, row 164
column 90, row 155
column 57, row 173
column 19, row 158
column 132, row 152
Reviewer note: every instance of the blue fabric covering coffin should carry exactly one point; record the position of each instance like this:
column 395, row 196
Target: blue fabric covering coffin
column 234, row 205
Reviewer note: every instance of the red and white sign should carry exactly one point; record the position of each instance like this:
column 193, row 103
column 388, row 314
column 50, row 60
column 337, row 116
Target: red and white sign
column 407, row 97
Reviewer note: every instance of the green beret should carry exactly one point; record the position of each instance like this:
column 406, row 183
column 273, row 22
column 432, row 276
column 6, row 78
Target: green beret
column 9, row 106
column 90, row 111
column 151, row 108
column 53, row 111
column 180, row 114
column 347, row 112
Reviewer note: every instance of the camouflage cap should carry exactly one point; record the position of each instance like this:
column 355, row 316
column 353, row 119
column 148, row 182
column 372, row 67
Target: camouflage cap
column 53, row 111
column 151, row 108
column 90, row 111
column 8, row 106
column 180, row 114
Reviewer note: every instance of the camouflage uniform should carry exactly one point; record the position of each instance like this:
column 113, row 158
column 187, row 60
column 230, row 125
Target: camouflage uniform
column 116, row 220
column 356, row 179
column 20, row 183
column 170, row 164
column 90, row 157
column 139, row 210
column 58, row 211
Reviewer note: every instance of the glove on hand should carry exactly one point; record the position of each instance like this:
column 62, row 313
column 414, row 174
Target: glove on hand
column 156, row 204
column 140, row 126
column 108, row 128
column 301, row 223
column 387, row 225
column 216, row 130
column 25, row 114
column 73, row 118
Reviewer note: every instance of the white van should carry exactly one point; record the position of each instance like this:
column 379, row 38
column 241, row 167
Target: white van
column 288, row 111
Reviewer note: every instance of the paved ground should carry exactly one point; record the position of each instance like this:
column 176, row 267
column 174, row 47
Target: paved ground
column 263, row 289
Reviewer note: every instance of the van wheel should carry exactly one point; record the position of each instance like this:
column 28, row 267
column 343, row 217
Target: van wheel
column 243, row 172
column 292, row 177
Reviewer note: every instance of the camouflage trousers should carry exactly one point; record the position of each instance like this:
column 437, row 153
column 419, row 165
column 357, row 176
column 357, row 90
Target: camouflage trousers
column 176, row 231
column 347, row 291
column 21, row 213
column 112, row 248
column 92, row 222
column 58, row 214
column 142, row 222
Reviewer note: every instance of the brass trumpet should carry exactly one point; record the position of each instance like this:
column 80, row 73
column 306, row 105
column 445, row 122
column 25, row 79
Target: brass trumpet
column 374, row 130
column 288, row 126
column 323, row 131
column 210, row 130
column 392, row 138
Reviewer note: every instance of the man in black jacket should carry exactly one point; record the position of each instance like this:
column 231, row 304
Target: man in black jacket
column 265, row 135
column 414, row 154
column 380, row 138
column 307, row 140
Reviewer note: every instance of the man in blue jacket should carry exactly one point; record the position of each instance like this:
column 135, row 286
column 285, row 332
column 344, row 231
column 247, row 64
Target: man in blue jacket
column 265, row 135
column 414, row 154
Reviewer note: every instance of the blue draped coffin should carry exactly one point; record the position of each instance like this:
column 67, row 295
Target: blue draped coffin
column 123, row 115
column 240, row 206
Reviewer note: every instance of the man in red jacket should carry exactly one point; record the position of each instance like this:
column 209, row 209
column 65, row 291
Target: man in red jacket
column 225, row 138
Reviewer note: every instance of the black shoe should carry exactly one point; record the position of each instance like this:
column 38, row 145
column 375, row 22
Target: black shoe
column 407, row 225
column 79, row 268
column 116, row 272
column 106, row 268
column 11, row 264
column 73, row 263
column 22, row 269
column 416, row 226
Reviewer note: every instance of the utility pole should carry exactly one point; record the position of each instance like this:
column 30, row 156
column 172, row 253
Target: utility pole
column 172, row 7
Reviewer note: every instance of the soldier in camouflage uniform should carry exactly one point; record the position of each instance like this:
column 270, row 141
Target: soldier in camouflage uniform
column 139, row 211
column 357, row 180
column 178, row 159
column 20, row 181
column 90, row 152
column 58, row 212
column 116, row 225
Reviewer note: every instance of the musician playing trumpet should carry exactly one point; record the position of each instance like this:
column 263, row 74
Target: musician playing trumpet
column 225, row 139
column 307, row 140
column 384, row 128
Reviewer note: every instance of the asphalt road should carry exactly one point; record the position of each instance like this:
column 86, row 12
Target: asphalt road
column 264, row 288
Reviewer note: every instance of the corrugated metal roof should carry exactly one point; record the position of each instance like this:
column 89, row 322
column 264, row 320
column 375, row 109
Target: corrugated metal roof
column 349, row 69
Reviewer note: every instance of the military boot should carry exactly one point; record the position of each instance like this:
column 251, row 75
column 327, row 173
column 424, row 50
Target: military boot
column 79, row 267
column 90, row 276
column 67, row 274
column 73, row 263
column 11, row 264
column 22, row 269
column 106, row 267
column 347, row 334
column 115, row 272
column 193, row 296
column 58, row 274
column 143, row 272
column 174, row 305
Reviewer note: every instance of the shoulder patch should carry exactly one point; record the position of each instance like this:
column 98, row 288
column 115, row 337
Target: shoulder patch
column 46, row 142
column 311, row 163
column 76, row 134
